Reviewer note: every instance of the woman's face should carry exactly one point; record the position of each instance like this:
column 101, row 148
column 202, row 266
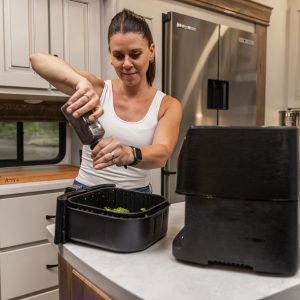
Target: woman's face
column 130, row 56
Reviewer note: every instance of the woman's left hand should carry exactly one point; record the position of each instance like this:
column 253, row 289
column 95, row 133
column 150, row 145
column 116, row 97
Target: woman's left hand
column 109, row 151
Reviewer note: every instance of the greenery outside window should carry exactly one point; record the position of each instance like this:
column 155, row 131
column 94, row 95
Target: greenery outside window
column 32, row 143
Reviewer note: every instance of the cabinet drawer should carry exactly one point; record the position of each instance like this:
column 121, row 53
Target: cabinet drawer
column 23, row 219
column 24, row 271
column 53, row 295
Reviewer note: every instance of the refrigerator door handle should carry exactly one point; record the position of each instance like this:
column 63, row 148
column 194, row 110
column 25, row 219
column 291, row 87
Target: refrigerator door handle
column 168, row 173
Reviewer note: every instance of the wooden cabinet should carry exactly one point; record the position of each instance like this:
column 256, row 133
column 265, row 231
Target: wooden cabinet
column 24, row 248
column 67, row 28
column 74, row 286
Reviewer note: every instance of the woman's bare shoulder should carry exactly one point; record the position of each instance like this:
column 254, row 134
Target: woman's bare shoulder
column 170, row 104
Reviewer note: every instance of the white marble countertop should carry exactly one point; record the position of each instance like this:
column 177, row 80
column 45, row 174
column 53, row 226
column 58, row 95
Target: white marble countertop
column 155, row 274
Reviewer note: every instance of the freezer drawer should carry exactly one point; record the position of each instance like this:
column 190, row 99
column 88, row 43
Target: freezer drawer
column 24, row 271
column 23, row 219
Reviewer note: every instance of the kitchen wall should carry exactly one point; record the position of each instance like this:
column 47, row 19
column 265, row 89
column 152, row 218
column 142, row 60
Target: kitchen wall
column 276, row 81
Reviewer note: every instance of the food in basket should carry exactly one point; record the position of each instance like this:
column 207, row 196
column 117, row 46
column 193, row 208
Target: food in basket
column 118, row 210
column 122, row 210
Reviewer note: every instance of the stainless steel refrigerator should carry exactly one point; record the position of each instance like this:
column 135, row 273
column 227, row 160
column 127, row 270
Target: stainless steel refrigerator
column 211, row 69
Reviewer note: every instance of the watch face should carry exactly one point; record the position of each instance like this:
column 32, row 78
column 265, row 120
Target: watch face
column 138, row 154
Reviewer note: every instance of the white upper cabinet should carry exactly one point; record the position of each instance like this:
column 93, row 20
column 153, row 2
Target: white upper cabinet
column 24, row 30
column 82, row 34
column 67, row 28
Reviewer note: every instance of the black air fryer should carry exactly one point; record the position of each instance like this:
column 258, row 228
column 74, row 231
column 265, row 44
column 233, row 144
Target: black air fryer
column 111, row 218
column 241, row 192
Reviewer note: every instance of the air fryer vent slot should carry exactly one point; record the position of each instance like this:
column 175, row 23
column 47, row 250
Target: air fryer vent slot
column 229, row 264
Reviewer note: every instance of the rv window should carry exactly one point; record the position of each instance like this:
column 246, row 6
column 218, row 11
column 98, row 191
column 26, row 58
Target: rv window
column 32, row 143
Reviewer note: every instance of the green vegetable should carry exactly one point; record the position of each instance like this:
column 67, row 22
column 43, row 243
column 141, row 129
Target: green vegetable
column 118, row 210
column 122, row 210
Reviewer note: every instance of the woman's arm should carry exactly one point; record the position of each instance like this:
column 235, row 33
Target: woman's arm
column 165, row 136
column 71, row 82
column 155, row 155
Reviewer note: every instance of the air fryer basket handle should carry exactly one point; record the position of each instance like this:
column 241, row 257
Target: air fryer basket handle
column 60, row 222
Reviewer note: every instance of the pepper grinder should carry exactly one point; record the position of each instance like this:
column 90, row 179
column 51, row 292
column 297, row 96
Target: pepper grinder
column 89, row 132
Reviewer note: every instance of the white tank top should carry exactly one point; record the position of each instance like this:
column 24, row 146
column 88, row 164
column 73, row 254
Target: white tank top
column 136, row 134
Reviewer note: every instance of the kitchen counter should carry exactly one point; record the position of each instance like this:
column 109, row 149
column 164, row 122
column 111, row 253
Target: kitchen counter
column 15, row 180
column 155, row 274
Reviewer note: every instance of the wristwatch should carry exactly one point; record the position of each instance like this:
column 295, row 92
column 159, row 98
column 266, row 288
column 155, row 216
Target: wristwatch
column 137, row 155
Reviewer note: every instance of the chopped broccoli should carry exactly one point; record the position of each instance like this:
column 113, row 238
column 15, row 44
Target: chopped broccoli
column 122, row 210
column 118, row 210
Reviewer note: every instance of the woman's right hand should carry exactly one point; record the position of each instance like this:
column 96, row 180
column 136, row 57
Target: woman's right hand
column 85, row 99
column 65, row 78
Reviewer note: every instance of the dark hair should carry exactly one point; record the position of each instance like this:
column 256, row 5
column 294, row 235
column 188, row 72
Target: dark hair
column 127, row 21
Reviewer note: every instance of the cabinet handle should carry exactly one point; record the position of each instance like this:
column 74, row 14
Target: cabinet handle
column 55, row 55
column 48, row 217
column 49, row 266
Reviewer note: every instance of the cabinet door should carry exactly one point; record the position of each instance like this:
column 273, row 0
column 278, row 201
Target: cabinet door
column 24, row 270
column 82, row 34
column 56, row 21
column 74, row 286
column 24, row 29
column 23, row 218
column 84, row 289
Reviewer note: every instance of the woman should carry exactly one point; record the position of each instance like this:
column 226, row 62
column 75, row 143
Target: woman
column 141, row 123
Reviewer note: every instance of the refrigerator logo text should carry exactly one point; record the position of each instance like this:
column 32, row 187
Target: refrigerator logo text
column 188, row 27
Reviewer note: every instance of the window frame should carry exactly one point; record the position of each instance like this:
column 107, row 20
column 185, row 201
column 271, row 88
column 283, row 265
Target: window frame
column 19, row 161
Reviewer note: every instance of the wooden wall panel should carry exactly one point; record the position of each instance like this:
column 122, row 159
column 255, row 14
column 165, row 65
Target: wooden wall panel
column 15, row 110
column 243, row 9
column 261, row 32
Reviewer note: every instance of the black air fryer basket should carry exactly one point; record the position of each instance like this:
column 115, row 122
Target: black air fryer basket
column 88, row 216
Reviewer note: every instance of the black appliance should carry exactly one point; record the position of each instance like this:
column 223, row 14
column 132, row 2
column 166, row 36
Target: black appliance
column 241, row 191
column 111, row 218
